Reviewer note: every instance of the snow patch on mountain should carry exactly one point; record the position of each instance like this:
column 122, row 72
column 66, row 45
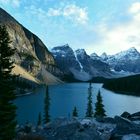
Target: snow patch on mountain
column 124, row 63
column 81, row 53
column 130, row 54
column 59, row 50
column 78, row 61
column 84, row 67
column 104, row 56
column 94, row 56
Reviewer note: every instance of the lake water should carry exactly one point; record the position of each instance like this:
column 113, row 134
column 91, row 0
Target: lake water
column 64, row 97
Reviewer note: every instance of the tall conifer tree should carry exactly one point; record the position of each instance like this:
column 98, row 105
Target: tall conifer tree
column 7, row 95
column 39, row 122
column 75, row 113
column 99, row 107
column 89, row 112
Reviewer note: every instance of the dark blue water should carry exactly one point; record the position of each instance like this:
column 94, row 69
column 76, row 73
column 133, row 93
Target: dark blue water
column 64, row 97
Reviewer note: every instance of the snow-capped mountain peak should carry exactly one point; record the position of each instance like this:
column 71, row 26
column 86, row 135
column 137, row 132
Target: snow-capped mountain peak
column 61, row 48
column 81, row 65
column 80, row 52
column 130, row 54
column 62, row 51
column 132, row 49
column 128, row 60
column 104, row 56
column 94, row 56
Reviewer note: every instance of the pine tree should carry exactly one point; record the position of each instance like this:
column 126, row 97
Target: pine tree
column 99, row 107
column 39, row 119
column 75, row 113
column 89, row 112
column 7, row 95
column 47, row 106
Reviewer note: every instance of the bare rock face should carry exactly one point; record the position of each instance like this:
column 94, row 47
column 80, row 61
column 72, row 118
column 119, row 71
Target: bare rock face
column 117, row 128
column 65, row 58
column 31, row 53
column 79, row 63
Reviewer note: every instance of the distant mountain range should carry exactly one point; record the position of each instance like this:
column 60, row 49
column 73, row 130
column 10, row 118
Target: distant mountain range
column 127, row 61
column 79, row 63
column 85, row 67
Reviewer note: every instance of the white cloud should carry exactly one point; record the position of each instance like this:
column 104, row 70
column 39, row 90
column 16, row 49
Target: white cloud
column 120, row 37
column 35, row 12
column 75, row 14
column 14, row 3
column 135, row 7
column 72, row 12
column 54, row 12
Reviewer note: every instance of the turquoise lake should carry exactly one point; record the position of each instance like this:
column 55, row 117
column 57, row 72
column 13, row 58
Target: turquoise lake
column 63, row 98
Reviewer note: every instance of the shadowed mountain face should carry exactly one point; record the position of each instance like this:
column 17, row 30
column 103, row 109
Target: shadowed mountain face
column 31, row 53
column 85, row 67
column 65, row 58
column 79, row 63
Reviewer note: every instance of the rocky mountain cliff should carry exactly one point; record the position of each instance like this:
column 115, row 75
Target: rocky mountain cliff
column 125, row 61
column 84, row 67
column 79, row 63
column 65, row 58
column 31, row 53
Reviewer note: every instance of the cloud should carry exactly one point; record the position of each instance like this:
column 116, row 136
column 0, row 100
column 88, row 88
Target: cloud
column 36, row 12
column 49, row 29
column 54, row 12
column 14, row 3
column 121, row 36
column 72, row 12
column 135, row 8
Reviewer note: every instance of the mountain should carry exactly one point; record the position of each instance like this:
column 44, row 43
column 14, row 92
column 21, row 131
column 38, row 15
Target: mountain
column 94, row 56
column 128, row 61
column 65, row 58
column 104, row 57
column 94, row 67
column 123, row 63
column 31, row 54
column 79, row 63
column 68, row 63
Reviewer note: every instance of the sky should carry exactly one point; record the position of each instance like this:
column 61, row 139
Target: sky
column 97, row 26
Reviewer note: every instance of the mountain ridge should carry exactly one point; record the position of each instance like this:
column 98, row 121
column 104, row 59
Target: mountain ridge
column 127, row 60
column 78, row 63
column 31, row 53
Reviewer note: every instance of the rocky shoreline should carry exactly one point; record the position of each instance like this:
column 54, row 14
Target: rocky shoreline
column 124, row 127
